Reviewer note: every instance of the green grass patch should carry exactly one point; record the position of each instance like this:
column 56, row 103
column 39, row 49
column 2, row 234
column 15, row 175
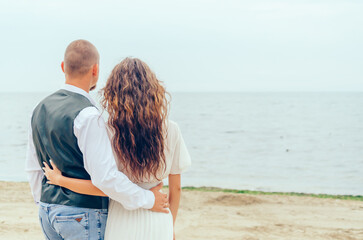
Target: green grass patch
column 214, row 189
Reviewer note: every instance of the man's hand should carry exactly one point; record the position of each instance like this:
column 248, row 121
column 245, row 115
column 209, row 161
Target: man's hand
column 161, row 200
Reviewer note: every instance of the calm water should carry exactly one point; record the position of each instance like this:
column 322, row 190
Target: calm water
column 301, row 142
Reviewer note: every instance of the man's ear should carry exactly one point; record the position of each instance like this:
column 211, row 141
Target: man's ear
column 62, row 66
column 95, row 70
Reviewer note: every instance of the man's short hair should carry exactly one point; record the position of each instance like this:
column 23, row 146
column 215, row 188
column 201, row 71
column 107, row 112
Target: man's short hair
column 79, row 57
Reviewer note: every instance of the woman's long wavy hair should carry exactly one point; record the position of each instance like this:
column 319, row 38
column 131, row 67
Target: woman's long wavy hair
column 137, row 105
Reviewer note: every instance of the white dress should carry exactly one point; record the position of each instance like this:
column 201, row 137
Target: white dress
column 142, row 224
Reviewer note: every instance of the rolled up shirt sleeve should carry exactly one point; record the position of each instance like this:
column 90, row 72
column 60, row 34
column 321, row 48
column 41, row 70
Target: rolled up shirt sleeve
column 99, row 162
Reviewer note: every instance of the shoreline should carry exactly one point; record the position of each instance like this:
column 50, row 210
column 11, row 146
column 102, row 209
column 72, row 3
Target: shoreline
column 214, row 213
column 316, row 195
column 254, row 192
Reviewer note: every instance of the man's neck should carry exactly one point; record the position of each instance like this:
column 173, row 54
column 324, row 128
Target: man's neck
column 80, row 83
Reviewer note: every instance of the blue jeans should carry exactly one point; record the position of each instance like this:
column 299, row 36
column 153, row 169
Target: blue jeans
column 60, row 222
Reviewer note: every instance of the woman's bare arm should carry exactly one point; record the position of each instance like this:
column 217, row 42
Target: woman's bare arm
column 174, row 194
column 82, row 186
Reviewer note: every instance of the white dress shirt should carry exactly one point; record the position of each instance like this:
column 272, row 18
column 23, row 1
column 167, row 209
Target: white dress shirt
column 94, row 143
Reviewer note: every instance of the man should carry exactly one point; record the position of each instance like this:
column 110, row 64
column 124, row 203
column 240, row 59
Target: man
column 67, row 128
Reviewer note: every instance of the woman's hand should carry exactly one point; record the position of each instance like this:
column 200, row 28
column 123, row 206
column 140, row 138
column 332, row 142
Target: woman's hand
column 53, row 175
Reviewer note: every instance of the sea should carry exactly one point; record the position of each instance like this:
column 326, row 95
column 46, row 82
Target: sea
column 280, row 141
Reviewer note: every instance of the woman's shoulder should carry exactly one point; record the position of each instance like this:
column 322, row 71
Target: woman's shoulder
column 172, row 134
column 172, row 129
column 172, row 124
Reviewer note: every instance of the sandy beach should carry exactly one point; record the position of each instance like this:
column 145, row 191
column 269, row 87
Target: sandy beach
column 217, row 215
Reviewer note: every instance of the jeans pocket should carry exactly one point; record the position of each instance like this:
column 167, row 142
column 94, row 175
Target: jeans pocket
column 72, row 226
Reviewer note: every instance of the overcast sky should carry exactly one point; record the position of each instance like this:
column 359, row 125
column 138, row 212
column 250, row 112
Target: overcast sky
column 192, row 45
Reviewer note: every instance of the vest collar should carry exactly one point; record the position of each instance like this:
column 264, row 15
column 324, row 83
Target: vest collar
column 78, row 90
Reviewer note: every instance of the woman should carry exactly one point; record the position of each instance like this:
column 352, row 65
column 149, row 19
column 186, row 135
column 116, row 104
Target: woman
column 147, row 147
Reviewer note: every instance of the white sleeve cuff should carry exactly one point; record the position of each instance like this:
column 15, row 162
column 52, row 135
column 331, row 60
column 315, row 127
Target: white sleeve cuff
column 150, row 200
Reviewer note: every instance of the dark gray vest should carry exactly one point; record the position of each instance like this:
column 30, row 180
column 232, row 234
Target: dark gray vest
column 52, row 127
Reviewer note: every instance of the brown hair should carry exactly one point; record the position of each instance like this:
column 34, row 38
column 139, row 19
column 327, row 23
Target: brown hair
column 137, row 105
column 79, row 57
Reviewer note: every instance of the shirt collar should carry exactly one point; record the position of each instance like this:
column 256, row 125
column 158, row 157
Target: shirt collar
column 78, row 90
